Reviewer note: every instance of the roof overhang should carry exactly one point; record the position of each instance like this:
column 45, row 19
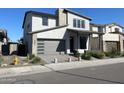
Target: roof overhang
column 121, row 33
column 37, row 14
column 70, row 11
column 85, row 31
column 114, row 24
column 48, row 29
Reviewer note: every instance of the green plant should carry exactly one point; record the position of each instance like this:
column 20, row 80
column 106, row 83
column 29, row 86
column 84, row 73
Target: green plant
column 86, row 56
column 76, row 53
column 1, row 59
column 113, row 53
column 36, row 60
column 30, row 56
column 107, row 54
column 122, row 54
column 98, row 55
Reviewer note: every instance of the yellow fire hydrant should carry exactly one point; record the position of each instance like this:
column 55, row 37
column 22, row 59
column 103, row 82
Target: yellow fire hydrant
column 16, row 60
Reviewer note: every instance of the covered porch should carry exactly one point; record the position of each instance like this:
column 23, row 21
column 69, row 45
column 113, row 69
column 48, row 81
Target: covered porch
column 80, row 40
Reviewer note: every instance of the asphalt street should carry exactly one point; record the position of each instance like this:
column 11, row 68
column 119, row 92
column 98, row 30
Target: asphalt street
column 107, row 74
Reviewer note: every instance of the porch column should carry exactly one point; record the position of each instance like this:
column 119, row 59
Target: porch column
column 34, row 44
column 101, row 43
column 90, row 38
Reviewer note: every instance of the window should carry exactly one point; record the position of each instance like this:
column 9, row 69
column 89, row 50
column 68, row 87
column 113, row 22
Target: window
column 116, row 29
column 100, row 29
column 83, row 42
column 74, row 22
column 78, row 24
column 83, row 24
column 45, row 21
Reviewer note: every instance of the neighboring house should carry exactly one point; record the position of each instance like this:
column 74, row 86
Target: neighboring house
column 112, row 39
column 3, row 38
column 58, row 33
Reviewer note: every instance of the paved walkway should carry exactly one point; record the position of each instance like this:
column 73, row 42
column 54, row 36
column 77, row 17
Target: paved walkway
column 25, row 70
column 61, row 58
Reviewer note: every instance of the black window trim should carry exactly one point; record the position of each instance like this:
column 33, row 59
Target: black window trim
column 45, row 21
column 78, row 23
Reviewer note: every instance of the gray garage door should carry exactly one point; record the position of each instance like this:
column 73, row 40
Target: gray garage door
column 50, row 46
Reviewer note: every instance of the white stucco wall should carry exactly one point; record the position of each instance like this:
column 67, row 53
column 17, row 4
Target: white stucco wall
column 70, row 21
column 96, row 30
column 112, row 28
column 37, row 23
column 53, row 34
column 111, row 37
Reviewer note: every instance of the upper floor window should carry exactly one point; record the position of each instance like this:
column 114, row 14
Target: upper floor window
column 45, row 21
column 83, row 24
column 116, row 29
column 74, row 22
column 78, row 23
column 100, row 29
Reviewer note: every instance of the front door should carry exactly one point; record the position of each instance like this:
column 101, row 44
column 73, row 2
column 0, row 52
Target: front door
column 71, row 44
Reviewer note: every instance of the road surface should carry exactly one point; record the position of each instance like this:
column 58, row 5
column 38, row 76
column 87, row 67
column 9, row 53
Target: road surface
column 107, row 74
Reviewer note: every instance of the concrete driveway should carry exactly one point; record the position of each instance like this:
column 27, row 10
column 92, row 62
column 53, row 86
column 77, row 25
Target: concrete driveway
column 107, row 74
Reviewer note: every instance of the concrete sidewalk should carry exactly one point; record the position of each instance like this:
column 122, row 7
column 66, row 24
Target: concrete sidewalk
column 26, row 70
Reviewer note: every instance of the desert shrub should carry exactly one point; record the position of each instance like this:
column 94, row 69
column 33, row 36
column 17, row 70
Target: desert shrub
column 30, row 56
column 1, row 59
column 107, row 54
column 76, row 53
column 36, row 60
column 113, row 53
column 98, row 55
column 122, row 54
column 86, row 56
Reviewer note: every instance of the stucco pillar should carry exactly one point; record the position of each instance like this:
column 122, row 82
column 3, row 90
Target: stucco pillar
column 121, row 38
column 90, row 38
column 100, row 43
column 34, row 44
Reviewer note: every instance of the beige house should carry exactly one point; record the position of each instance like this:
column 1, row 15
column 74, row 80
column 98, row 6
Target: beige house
column 59, row 33
column 112, row 39
column 66, row 31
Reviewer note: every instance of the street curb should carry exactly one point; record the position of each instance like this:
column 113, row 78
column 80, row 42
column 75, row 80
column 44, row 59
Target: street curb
column 27, row 70
column 83, row 64
column 19, row 71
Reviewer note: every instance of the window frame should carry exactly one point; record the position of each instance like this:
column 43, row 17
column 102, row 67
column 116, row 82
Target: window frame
column 45, row 21
column 74, row 22
column 117, row 30
column 82, row 23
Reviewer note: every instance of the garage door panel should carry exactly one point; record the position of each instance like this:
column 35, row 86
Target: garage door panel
column 51, row 46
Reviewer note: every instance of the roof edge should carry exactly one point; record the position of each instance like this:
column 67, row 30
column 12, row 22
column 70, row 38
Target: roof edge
column 34, row 32
column 76, row 13
column 37, row 13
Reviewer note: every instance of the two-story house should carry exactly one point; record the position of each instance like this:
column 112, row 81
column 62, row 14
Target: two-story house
column 59, row 33
column 112, row 39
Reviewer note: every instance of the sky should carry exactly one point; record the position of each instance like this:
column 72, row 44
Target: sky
column 11, row 19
